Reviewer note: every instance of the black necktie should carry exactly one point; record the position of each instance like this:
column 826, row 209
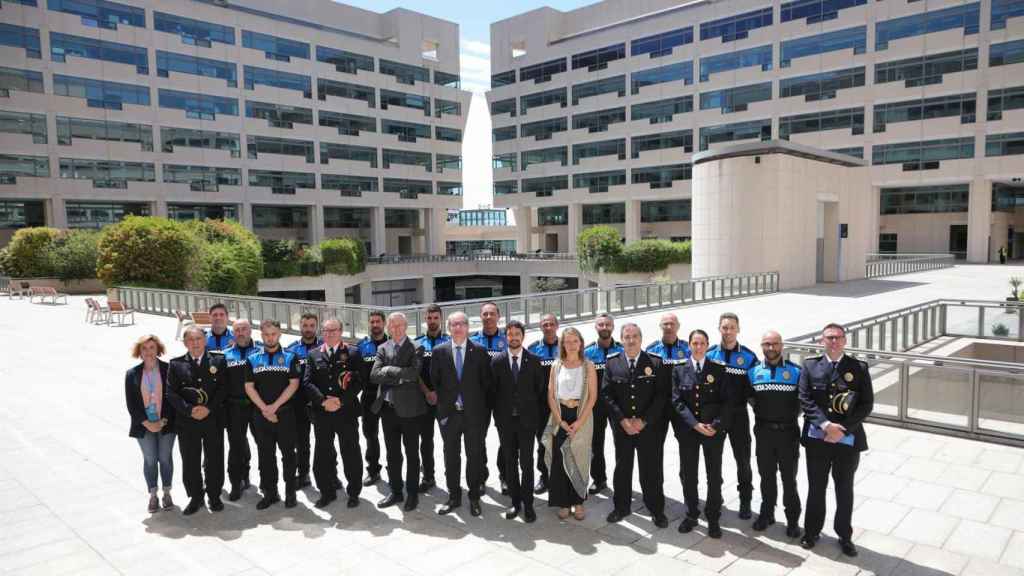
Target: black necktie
column 699, row 367
column 515, row 368
column 632, row 365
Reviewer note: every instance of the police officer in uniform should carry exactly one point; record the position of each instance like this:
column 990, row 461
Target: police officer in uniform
column 220, row 337
column 271, row 379
column 776, row 408
column 492, row 339
column 598, row 353
column 371, row 422
column 836, row 395
column 635, row 391
column 737, row 359
column 301, row 347
column 546, row 350
column 701, row 399
column 426, row 343
column 331, row 383
column 196, row 386
column 238, row 409
column 672, row 351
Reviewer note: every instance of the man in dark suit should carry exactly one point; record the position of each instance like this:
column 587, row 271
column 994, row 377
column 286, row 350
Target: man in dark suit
column 518, row 380
column 197, row 386
column 460, row 372
column 836, row 395
column 400, row 404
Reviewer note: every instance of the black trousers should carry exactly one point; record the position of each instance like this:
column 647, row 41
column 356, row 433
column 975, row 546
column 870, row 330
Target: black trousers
column 270, row 437
column 739, row 441
column 690, row 444
column 427, row 424
column 500, row 459
column 371, row 431
column 238, row 414
column 327, row 427
column 561, row 492
column 646, row 447
column 778, row 450
column 841, row 461
column 302, row 431
column 543, row 412
column 456, row 431
column 679, row 427
column 398, row 433
column 598, row 466
column 517, row 444
column 202, row 454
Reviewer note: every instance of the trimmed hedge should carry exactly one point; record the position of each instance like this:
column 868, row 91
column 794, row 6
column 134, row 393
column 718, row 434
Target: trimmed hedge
column 75, row 254
column 343, row 256
column 231, row 259
column 601, row 247
column 148, row 251
column 30, row 253
column 283, row 258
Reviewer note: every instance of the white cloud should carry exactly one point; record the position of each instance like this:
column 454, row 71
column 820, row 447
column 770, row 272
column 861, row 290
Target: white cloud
column 475, row 47
column 476, row 66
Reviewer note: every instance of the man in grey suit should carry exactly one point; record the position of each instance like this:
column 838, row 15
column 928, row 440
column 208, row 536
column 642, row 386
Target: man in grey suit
column 400, row 404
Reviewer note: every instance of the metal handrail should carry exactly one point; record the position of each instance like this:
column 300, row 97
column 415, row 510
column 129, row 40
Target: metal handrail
column 5, row 284
column 398, row 259
column 879, row 264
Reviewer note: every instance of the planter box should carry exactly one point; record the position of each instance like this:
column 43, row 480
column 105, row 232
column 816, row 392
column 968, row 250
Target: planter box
column 89, row 286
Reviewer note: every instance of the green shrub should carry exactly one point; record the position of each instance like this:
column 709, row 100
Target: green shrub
column 283, row 258
column 652, row 256
column 30, row 253
column 231, row 257
column 74, row 255
column 343, row 256
column 598, row 247
column 148, row 251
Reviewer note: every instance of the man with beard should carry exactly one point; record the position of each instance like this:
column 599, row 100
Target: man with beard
column 492, row 339
column 238, row 409
column 220, row 337
column 308, row 341
column 371, row 422
column 598, row 353
column 426, row 343
column 546, row 350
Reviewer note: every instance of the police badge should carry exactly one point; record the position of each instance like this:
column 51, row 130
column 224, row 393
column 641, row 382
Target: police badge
column 648, row 371
column 213, row 369
column 786, row 374
column 740, row 361
column 280, row 360
column 848, row 377
column 710, row 379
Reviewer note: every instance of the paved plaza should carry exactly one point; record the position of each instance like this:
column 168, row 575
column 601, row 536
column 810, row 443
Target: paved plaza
column 73, row 499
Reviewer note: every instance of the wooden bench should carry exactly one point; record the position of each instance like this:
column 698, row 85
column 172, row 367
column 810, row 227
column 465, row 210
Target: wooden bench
column 184, row 319
column 44, row 292
column 121, row 311
column 201, row 319
column 19, row 289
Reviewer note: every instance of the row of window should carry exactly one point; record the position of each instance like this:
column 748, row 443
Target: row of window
column 651, row 212
column 597, row 182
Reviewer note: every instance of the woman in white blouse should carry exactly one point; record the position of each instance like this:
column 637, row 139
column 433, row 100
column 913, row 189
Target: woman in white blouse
column 572, row 391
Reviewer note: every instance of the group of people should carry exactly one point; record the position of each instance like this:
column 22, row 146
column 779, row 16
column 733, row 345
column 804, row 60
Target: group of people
column 552, row 403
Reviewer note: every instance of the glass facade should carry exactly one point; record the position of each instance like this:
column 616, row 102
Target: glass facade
column 661, row 44
column 553, row 216
column 167, row 62
column 821, row 86
column 922, row 155
column 598, row 59
column 736, row 27
column 447, row 162
column 543, row 129
column 295, row 217
column 678, row 72
column 331, row 151
column 752, row 130
column 406, row 131
column 447, row 80
column 665, row 211
column 349, row 185
column 352, row 218
column 279, row 115
column 598, row 121
column 814, row 11
column 508, row 160
column 759, row 56
column 1003, row 10
column 401, row 218
column 408, row 158
column 851, row 119
column 662, row 141
column 855, row 38
column 924, row 199
column 1006, row 53
column 662, row 176
column 482, row 218
column 325, row 88
column 21, row 214
column 256, row 145
column 101, row 13
column 506, row 106
column 1003, row 99
column 101, row 93
column 542, row 72
column 504, row 133
column 504, row 187
column 15, row 80
column 193, row 32
column 198, row 106
column 594, row 214
column 928, row 69
column 186, row 212
column 962, row 105
column 598, row 182
column 347, row 124
column 21, row 37
column 274, row 47
column 555, row 96
column 736, row 99
column 661, row 110
column 208, row 139
column 403, row 73
column 281, row 182
column 414, row 101
column 447, row 107
column 63, row 45
column 407, row 188
column 545, row 186
column 966, row 16
column 277, row 79
column 24, row 123
column 13, row 166
column 616, row 84
column 470, row 247
column 448, row 134
column 503, row 79
column 1011, row 144
column 68, row 129
column 449, row 188
column 615, row 148
column 96, row 215
column 107, row 173
column 343, row 60
column 202, row 178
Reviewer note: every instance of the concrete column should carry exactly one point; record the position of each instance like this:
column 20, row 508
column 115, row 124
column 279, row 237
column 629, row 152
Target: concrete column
column 524, row 223
column 316, row 224
column 427, row 288
column 57, row 215
column 245, row 215
column 366, row 293
column 575, row 225
column 979, row 219
column 434, row 220
column 632, row 221
column 160, row 208
column 379, row 243
column 524, row 283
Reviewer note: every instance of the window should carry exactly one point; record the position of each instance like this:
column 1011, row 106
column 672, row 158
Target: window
column 678, row 72
column 193, row 32
column 285, row 146
column 354, row 218
column 428, row 50
column 599, row 182
column 407, row 158
column 504, row 133
column 404, row 73
column 63, row 45
column 414, row 101
column 544, row 155
column 856, row 151
column 278, row 79
column 482, row 217
column 347, row 124
column 924, row 70
column 736, row 27
column 595, row 149
column 752, row 130
column 815, row 11
column 24, row 123
column 507, row 106
column 325, row 88
column 14, row 166
column 406, row 188
column 101, row 13
column 662, row 141
column 553, row 216
column 1004, row 144
column 207, row 139
column 401, row 218
column 167, row 62
column 296, row 217
column 736, row 99
column 542, row 72
column 537, row 99
column 281, row 182
column 545, row 186
column 107, row 173
column 470, row 247
column 604, row 214
column 855, row 38
column 406, row 131
column 1006, row 53
column 615, row 84
column 499, row 161
column 449, row 188
column 348, row 185
column 598, row 121
column 21, row 37
column 821, row 86
column 447, row 134
column 504, row 187
column 661, row 44
column 1003, row 10
column 965, row 16
column 275, row 48
column 450, row 162
column 661, row 177
column 665, row 211
column 343, row 60
column 70, row 128
column 845, row 119
column 96, row 215
column 759, row 56
column 447, row 80
column 330, row 151
column 924, row 199
column 1006, row 197
column 202, row 178
column 661, row 110
column 503, row 79
column 279, row 115
column 198, row 106
column 888, row 243
column 449, row 107
column 101, row 93
column 922, row 155
column 962, row 105
column 13, row 79
column 186, row 212
column 1004, row 99
column 598, row 59
column 26, row 2
column 18, row 214
column 543, row 129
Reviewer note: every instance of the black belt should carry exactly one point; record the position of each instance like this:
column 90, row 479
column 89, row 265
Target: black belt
column 780, row 426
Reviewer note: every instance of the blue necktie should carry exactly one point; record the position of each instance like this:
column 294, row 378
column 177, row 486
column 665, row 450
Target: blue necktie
column 458, row 362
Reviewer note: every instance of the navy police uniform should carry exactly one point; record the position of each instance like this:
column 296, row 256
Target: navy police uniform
column 219, row 343
column 598, row 355
column 493, row 344
column 271, row 373
column 737, row 362
column 371, row 422
column 776, row 408
column 426, row 344
column 193, row 383
column 671, row 355
column 547, row 354
column 302, row 410
column 335, row 373
column 237, row 414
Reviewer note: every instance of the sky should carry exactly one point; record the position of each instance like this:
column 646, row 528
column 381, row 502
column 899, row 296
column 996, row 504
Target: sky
column 474, row 20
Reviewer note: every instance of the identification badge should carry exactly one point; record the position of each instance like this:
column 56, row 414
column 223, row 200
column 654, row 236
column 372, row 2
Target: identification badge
column 710, row 379
column 740, row 361
column 280, row 360
column 648, row 371
column 213, row 369
column 786, row 375
column 848, row 377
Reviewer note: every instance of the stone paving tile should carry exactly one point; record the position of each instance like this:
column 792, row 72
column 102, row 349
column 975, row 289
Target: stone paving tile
column 1009, row 514
column 970, row 505
column 926, row 527
column 979, row 540
column 1014, row 554
column 879, row 516
column 1005, row 485
column 924, row 560
column 923, row 495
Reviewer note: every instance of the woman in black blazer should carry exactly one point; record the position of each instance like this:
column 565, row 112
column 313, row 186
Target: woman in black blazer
column 145, row 393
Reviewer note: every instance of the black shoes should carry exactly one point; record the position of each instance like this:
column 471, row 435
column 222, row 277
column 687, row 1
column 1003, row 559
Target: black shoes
column 411, row 503
column 597, row 488
column 745, row 513
column 371, row 479
column 504, row 488
column 193, row 506
column 616, row 515
column 511, row 512
column 714, row 530
column 661, row 521
column 426, row 486
column 236, row 492
column 302, row 480
column 848, row 548
column 449, row 506
column 541, row 487
column 289, row 499
column 390, row 500
column 793, row 530
column 763, row 522
column 808, row 541
column 474, row 508
column 353, row 501
column 268, row 501
column 529, row 515
column 687, row 525
column 337, row 483
column 325, row 500
column 216, row 505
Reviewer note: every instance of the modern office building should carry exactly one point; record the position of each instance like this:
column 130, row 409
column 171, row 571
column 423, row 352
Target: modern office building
column 597, row 111
column 305, row 119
